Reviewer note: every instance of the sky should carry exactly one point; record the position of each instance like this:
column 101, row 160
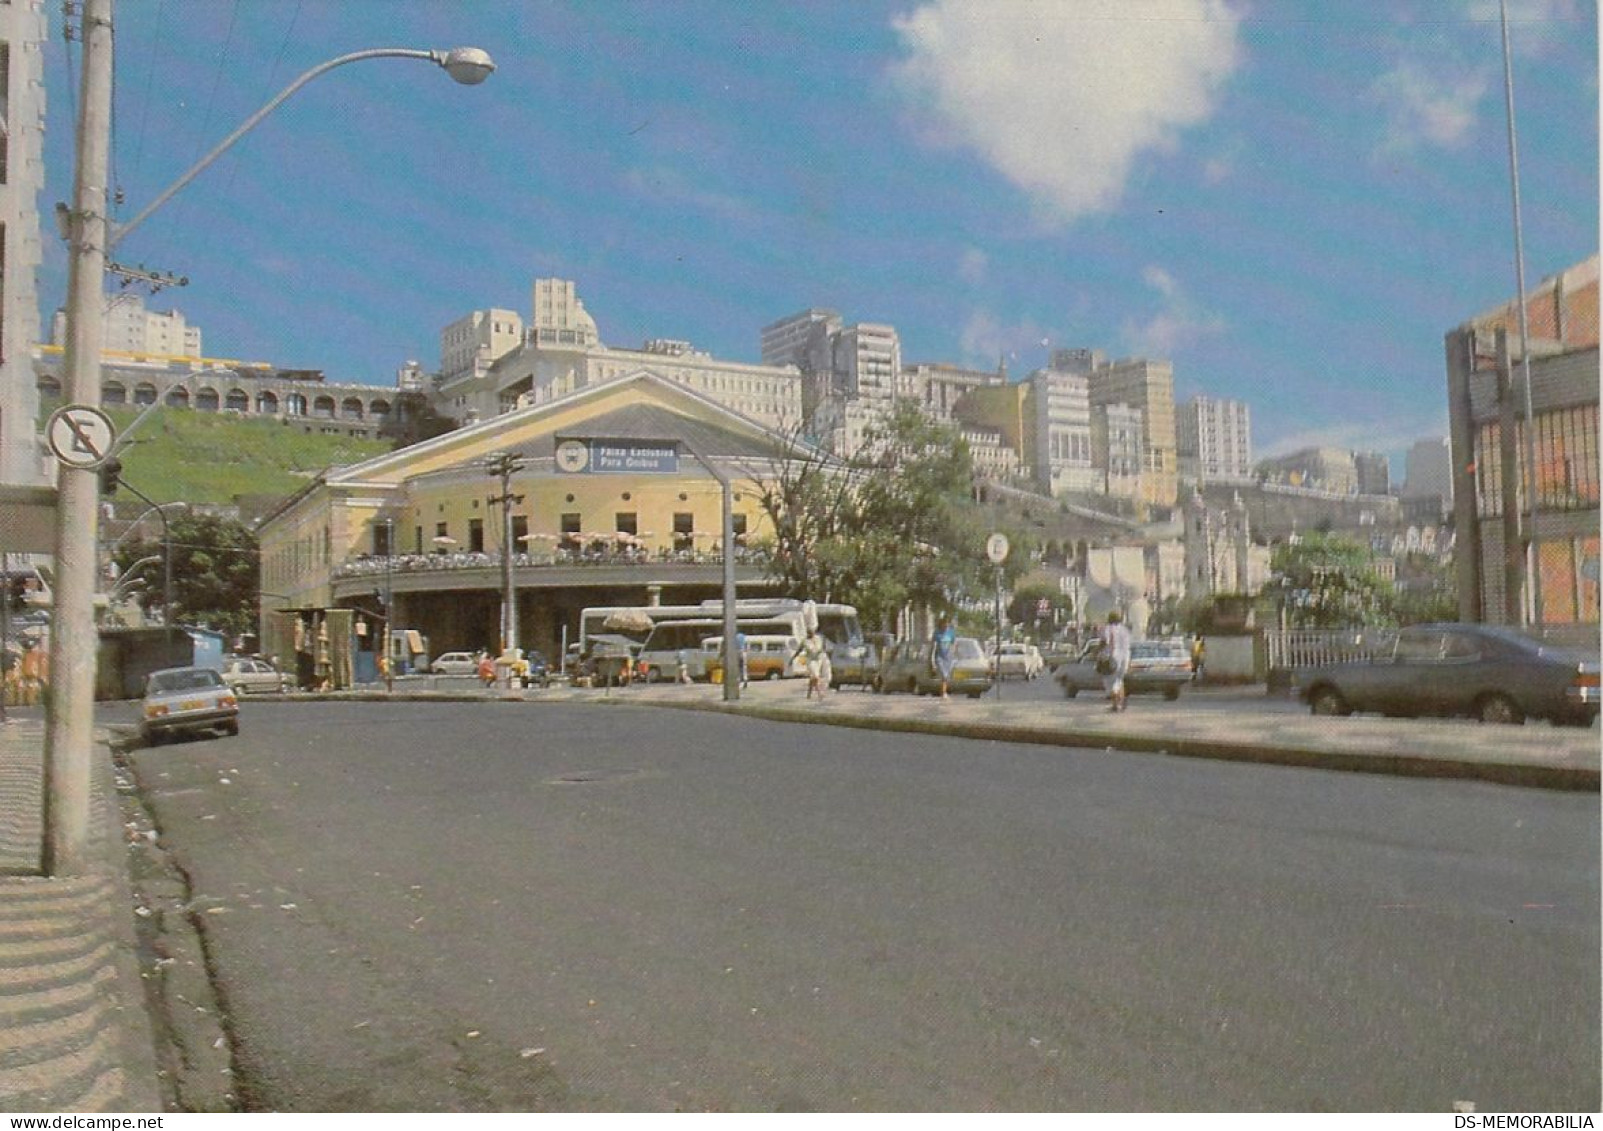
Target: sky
column 1291, row 200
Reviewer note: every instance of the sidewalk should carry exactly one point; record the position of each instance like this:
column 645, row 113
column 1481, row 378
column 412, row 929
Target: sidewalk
column 1242, row 724
column 74, row 1032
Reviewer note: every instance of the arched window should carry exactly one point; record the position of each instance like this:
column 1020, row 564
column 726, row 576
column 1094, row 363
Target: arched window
column 144, row 393
column 178, row 397
column 267, row 404
column 206, row 399
column 294, row 405
column 324, row 407
column 113, row 392
column 379, row 408
column 238, row 400
column 50, row 389
column 351, row 409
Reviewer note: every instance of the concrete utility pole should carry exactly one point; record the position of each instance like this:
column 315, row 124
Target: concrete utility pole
column 69, row 715
column 502, row 465
column 1531, row 610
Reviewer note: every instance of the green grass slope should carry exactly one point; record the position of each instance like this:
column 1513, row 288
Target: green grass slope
column 201, row 457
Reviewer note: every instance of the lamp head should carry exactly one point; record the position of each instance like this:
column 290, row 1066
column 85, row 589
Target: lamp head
column 468, row 65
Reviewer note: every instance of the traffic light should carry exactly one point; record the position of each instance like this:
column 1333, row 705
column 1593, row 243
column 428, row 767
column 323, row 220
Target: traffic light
column 110, row 471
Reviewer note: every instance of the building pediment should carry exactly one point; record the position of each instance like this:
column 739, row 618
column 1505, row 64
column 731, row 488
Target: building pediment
column 640, row 405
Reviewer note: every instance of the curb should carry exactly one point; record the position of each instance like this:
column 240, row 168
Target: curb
column 1526, row 775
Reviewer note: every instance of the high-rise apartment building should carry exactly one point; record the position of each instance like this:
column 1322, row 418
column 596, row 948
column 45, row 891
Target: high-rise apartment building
column 22, row 32
column 130, row 327
column 1059, row 430
column 471, row 344
column 795, row 340
column 1149, row 386
column 1429, row 470
column 1374, row 472
column 868, row 362
column 1213, row 440
column 1117, row 448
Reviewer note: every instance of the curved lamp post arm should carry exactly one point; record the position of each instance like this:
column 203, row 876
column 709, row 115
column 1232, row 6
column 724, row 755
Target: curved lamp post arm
column 467, row 65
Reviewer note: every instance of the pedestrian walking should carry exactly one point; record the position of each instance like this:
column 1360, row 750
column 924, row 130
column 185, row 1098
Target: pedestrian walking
column 682, row 659
column 486, row 670
column 740, row 650
column 1199, row 656
column 942, row 647
column 814, row 655
column 1114, row 663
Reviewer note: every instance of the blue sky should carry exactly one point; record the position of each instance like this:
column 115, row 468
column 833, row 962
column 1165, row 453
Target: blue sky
column 1293, row 200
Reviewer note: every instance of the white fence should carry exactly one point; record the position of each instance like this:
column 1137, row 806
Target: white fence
column 1302, row 648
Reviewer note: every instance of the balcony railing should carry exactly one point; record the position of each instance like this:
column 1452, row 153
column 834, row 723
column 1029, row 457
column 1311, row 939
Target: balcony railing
column 370, row 565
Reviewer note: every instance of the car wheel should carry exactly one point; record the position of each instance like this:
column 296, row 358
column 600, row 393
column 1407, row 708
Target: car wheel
column 231, row 728
column 912, row 687
column 775, row 674
column 1069, row 690
column 154, row 737
column 1171, row 693
column 1499, row 709
column 974, row 694
column 1328, row 701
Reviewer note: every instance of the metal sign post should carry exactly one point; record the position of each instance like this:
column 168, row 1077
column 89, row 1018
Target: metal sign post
column 996, row 548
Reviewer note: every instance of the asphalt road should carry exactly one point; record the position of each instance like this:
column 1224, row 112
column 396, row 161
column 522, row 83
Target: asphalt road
column 492, row 906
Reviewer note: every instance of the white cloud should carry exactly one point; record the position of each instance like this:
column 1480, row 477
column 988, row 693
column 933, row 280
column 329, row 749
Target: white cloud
column 667, row 185
column 1533, row 25
column 1426, row 109
column 1178, row 322
column 985, row 340
column 973, row 265
column 1062, row 98
column 1389, row 435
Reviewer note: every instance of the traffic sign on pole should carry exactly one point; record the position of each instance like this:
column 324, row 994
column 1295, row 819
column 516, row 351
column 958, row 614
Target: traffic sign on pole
column 80, row 435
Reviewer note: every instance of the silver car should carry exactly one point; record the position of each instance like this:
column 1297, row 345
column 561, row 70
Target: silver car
column 183, row 700
column 254, row 677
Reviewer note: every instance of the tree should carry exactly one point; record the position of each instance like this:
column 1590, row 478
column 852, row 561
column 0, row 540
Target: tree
column 412, row 420
column 1327, row 581
column 216, row 571
column 894, row 526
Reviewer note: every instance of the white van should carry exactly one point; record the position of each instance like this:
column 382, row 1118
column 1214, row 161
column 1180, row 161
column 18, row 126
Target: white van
column 767, row 656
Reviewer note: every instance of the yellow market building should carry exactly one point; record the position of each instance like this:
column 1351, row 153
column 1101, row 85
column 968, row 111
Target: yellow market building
column 419, row 532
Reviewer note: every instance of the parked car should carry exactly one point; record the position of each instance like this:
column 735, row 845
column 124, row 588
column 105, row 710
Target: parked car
column 454, row 663
column 1161, row 667
column 1016, row 661
column 908, row 666
column 249, row 676
column 860, row 665
column 182, row 700
column 1494, row 674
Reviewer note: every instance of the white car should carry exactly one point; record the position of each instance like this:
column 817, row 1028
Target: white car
column 455, row 663
column 1017, row 661
column 247, row 676
column 182, row 700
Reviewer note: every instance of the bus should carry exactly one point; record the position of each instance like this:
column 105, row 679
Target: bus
column 670, row 639
column 837, row 624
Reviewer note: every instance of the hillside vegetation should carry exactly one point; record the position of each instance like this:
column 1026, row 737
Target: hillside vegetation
column 202, row 457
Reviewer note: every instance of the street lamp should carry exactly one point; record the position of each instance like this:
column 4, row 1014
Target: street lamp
column 467, row 65
column 69, row 716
